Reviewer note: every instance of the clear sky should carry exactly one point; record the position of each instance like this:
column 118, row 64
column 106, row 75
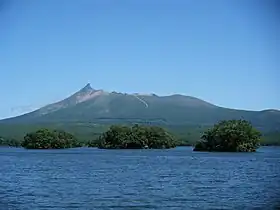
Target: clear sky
column 225, row 52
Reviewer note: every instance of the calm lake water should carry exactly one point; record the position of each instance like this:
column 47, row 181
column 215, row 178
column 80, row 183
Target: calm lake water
column 87, row 178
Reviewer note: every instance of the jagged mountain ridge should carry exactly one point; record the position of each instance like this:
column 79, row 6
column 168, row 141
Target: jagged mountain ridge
column 82, row 95
column 91, row 105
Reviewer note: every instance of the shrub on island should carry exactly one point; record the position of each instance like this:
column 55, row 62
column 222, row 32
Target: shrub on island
column 49, row 139
column 136, row 137
column 230, row 136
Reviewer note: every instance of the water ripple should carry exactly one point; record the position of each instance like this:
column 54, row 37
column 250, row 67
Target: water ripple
column 135, row 179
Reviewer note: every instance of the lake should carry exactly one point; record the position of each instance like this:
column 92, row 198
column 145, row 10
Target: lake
column 89, row 178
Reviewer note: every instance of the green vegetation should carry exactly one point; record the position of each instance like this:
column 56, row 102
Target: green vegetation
column 271, row 139
column 101, row 107
column 82, row 131
column 49, row 139
column 88, row 133
column 9, row 142
column 136, row 137
column 185, row 117
column 230, row 136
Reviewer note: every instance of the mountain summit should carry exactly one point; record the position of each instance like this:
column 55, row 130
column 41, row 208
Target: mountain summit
column 99, row 106
column 87, row 88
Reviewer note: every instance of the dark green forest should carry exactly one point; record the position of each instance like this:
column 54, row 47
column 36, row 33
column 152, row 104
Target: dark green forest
column 49, row 139
column 136, row 137
column 230, row 136
column 13, row 134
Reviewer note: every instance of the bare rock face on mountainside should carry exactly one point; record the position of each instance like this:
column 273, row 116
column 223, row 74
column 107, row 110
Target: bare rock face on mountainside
column 99, row 106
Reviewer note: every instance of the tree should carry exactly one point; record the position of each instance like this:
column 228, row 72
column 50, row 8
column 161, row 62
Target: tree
column 135, row 137
column 230, row 136
column 49, row 139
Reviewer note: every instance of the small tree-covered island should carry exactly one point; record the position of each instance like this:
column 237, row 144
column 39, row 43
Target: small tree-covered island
column 116, row 137
column 49, row 139
column 226, row 136
column 136, row 137
column 230, row 136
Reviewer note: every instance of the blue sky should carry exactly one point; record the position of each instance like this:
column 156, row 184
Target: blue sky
column 225, row 52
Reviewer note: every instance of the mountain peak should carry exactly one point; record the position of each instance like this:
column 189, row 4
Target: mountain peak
column 86, row 88
column 90, row 105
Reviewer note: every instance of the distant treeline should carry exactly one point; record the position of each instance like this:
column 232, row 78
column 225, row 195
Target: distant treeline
column 10, row 142
column 89, row 133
